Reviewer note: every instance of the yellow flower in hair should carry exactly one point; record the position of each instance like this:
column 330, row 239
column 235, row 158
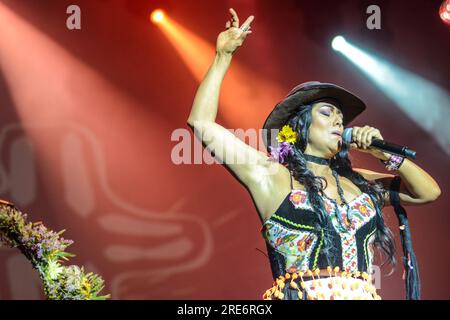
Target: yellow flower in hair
column 287, row 135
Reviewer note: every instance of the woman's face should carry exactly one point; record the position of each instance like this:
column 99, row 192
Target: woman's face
column 325, row 131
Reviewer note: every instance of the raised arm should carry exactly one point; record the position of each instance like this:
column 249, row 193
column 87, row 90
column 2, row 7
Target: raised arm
column 224, row 145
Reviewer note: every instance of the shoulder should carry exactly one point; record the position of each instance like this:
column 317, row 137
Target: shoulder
column 280, row 176
column 269, row 178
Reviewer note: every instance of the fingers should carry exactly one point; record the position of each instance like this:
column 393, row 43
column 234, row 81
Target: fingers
column 364, row 134
column 363, row 137
column 359, row 136
column 244, row 35
column 235, row 22
column 372, row 133
column 355, row 139
column 234, row 18
column 246, row 25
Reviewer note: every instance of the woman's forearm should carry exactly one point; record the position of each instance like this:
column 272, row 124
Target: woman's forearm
column 206, row 101
column 419, row 183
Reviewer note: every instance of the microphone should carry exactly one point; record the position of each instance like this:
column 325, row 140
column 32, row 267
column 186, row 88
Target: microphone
column 381, row 145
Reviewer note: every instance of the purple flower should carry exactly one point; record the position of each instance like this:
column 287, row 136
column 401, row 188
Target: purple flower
column 281, row 152
column 40, row 253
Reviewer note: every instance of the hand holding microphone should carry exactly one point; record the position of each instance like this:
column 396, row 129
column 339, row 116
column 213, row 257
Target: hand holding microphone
column 369, row 139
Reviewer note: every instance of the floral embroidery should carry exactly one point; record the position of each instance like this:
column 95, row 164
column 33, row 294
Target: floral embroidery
column 298, row 199
column 304, row 243
column 362, row 209
column 349, row 225
column 296, row 246
column 349, row 253
column 278, row 242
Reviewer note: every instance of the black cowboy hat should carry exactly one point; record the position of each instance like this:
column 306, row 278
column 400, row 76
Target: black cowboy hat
column 307, row 93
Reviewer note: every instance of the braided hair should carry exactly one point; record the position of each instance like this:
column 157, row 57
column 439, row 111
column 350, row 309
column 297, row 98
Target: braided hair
column 314, row 186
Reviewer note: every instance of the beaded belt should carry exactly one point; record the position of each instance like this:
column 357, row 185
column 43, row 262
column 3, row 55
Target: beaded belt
column 309, row 285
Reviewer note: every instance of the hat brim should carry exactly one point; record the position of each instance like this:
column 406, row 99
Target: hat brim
column 350, row 105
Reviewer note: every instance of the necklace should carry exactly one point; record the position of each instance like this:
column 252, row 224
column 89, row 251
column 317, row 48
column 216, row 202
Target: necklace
column 341, row 195
column 317, row 160
column 324, row 161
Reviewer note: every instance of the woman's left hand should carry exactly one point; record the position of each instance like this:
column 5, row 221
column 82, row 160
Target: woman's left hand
column 362, row 138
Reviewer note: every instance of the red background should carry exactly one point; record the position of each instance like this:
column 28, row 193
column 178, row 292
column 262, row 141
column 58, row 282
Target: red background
column 105, row 100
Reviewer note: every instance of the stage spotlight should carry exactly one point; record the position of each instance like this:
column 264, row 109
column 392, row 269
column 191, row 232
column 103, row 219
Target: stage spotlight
column 243, row 85
column 444, row 11
column 422, row 101
column 157, row 16
column 338, row 43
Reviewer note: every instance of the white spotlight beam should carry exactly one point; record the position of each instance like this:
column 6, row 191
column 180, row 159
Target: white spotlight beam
column 424, row 102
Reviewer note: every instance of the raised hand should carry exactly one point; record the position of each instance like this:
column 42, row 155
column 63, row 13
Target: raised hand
column 229, row 40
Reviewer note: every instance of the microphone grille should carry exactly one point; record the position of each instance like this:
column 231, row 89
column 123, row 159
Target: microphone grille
column 347, row 135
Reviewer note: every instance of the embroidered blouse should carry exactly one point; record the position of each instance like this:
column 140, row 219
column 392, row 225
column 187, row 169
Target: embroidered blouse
column 294, row 237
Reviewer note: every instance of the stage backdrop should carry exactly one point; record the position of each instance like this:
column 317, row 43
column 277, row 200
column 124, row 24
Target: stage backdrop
column 87, row 118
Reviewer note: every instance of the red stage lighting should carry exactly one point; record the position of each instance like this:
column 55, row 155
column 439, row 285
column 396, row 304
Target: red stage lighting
column 444, row 11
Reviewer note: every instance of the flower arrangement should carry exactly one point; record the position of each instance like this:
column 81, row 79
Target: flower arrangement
column 45, row 249
column 286, row 138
